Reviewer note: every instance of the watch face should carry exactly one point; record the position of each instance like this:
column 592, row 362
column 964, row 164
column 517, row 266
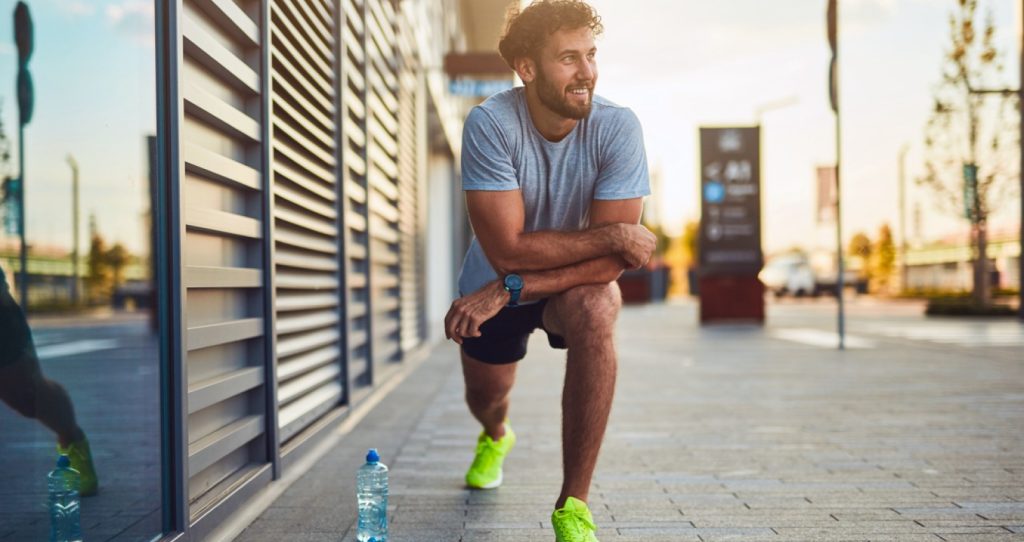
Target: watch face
column 514, row 282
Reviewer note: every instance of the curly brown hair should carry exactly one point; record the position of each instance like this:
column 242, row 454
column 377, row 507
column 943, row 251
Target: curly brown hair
column 528, row 29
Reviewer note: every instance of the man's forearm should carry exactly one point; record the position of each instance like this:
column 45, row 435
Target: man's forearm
column 541, row 284
column 550, row 249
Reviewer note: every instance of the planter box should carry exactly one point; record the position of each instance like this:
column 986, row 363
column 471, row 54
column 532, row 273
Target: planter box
column 731, row 299
column 644, row 285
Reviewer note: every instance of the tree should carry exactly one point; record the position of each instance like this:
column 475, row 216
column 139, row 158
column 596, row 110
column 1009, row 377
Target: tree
column 8, row 198
column 691, row 242
column 104, row 266
column 884, row 259
column 98, row 276
column 860, row 248
column 663, row 240
column 117, row 259
column 970, row 136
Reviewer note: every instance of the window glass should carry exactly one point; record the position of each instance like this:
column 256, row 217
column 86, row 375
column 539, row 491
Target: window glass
column 84, row 367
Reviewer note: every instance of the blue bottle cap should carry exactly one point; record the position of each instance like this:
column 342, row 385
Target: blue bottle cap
column 372, row 456
column 63, row 461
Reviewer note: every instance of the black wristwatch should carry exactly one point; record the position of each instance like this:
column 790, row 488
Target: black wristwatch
column 514, row 286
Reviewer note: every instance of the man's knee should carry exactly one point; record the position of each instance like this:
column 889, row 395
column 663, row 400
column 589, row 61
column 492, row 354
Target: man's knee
column 486, row 385
column 486, row 399
column 592, row 306
column 487, row 394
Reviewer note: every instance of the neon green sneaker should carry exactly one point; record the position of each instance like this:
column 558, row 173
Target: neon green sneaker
column 573, row 522
column 485, row 472
column 81, row 461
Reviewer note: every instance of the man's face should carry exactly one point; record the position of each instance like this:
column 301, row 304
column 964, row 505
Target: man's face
column 567, row 73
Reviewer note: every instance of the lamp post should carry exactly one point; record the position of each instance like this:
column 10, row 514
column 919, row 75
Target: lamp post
column 832, row 27
column 74, row 229
column 771, row 106
column 903, row 217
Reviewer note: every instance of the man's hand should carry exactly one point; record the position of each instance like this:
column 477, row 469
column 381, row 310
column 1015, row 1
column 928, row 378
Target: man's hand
column 636, row 244
column 468, row 313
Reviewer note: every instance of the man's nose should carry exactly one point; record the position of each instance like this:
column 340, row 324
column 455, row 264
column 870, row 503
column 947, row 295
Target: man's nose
column 586, row 70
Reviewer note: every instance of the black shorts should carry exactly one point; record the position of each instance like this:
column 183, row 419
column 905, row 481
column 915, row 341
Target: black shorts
column 15, row 337
column 503, row 338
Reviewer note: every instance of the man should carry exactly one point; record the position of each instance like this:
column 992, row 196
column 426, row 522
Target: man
column 24, row 388
column 554, row 179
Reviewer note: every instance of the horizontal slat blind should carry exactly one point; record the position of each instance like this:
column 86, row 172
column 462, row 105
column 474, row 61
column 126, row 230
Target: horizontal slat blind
column 221, row 194
column 355, row 202
column 411, row 226
column 383, row 190
column 307, row 279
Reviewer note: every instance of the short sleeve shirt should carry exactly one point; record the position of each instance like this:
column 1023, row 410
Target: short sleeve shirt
column 602, row 158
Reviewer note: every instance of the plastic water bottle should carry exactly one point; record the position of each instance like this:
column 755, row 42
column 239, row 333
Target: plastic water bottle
column 372, row 492
column 65, row 518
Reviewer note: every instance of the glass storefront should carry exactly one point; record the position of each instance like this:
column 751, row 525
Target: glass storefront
column 89, row 146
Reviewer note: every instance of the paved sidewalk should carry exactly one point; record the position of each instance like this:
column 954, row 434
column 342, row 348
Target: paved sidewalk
column 721, row 433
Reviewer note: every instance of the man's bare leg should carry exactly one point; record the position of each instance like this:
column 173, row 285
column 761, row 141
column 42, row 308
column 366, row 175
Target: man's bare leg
column 24, row 388
column 487, row 391
column 585, row 316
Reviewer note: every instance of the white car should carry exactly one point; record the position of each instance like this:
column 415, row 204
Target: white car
column 790, row 274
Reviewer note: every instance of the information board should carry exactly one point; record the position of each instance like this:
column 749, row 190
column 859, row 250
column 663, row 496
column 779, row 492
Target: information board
column 730, row 224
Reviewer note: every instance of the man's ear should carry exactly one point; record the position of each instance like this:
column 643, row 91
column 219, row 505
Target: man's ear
column 526, row 69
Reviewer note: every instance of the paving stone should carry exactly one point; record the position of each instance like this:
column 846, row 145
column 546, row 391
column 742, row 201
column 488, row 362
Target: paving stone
column 706, row 534
column 717, row 433
column 1004, row 537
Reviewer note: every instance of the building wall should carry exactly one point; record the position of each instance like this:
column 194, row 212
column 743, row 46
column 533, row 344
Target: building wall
column 949, row 267
column 310, row 241
column 440, row 267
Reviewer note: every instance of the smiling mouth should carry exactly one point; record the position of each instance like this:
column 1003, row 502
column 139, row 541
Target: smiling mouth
column 579, row 91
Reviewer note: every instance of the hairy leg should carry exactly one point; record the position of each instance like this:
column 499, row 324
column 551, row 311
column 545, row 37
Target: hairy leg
column 585, row 316
column 487, row 391
column 24, row 388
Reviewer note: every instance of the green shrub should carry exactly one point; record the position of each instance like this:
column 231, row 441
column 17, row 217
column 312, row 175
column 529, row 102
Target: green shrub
column 963, row 306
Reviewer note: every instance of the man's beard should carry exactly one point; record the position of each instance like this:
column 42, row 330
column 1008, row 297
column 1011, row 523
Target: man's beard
column 555, row 99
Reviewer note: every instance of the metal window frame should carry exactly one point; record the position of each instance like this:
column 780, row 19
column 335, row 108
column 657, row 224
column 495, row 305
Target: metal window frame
column 340, row 84
column 272, row 432
column 167, row 218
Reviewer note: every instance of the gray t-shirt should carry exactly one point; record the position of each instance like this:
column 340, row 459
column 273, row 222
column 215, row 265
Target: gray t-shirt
column 602, row 158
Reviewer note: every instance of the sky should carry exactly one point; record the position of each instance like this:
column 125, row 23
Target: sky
column 682, row 64
column 679, row 64
column 94, row 73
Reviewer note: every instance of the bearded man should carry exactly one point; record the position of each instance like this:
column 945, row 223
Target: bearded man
column 554, row 179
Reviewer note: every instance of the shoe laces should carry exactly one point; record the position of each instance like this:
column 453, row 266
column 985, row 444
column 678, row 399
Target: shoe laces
column 74, row 451
column 486, row 451
column 574, row 520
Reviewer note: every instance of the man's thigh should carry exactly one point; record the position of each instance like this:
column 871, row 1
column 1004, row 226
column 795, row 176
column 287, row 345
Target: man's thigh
column 19, row 382
column 15, row 335
column 487, row 378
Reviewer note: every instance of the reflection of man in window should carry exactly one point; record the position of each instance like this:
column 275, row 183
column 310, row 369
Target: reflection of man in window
column 26, row 390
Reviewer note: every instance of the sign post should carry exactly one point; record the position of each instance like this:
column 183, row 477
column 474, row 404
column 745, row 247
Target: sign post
column 23, row 38
column 832, row 24
column 970, row 191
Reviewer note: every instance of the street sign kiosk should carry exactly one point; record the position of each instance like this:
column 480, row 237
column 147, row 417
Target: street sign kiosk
column 730, row 255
